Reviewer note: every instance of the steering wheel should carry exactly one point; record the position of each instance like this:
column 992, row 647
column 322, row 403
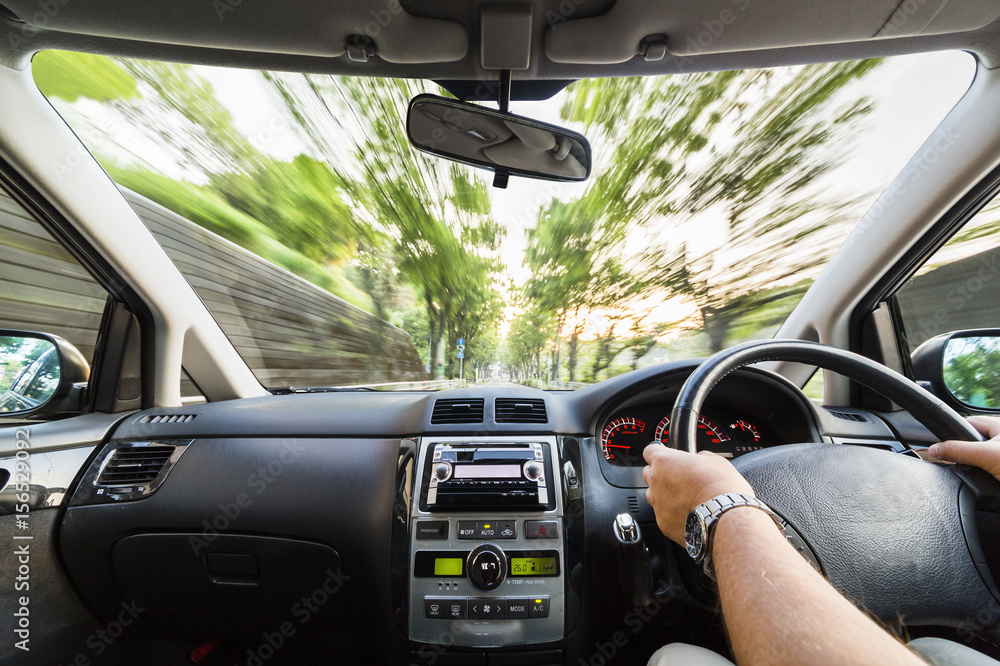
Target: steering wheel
column 895, row 534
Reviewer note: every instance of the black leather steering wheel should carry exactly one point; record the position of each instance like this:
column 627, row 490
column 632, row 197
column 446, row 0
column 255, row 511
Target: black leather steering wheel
column 895, row 534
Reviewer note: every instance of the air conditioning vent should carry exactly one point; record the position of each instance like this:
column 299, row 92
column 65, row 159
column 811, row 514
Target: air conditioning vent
column 469, row 410
column 521, row 410
column 848, row 416
column 168, row 418
column 135, row 465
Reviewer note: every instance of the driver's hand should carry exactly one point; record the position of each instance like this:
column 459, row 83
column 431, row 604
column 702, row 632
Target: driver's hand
column 979, row 454
column 679, row 481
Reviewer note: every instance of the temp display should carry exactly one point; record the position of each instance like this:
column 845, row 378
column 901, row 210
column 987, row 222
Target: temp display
column 533, row 566
column 448, row 566
column 487, row 471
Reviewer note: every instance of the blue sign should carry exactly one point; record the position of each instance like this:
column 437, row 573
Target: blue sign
column 461, row 342
column 461, row 354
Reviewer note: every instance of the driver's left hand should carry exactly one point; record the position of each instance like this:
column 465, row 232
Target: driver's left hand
column 679, row 481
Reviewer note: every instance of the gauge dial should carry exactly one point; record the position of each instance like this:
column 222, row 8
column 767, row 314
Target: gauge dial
column 746, row 436
column 623, row 441
column 710, row 436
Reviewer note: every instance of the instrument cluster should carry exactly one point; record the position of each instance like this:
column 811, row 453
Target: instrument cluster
column 724, row 432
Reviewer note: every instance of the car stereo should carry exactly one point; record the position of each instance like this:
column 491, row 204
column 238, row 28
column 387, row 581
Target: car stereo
column 468, row 476
column 486, row 543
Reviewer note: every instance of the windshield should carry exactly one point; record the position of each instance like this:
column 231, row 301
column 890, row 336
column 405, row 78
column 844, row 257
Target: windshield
column 334, row 254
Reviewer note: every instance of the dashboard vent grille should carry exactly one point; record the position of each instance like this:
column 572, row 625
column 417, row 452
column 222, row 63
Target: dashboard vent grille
column 633, row 505
column 168, row 418
column 469, row 410
column 133, row 465
column 848, row 416
column 521, row 410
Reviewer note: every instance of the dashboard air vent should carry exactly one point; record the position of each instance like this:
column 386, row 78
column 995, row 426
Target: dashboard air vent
column 848, row 416
column 135, row 465
column 469, row 410
column 521, row 410
column 168, row 418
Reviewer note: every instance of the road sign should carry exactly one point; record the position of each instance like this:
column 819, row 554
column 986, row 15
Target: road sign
column 461, row 354
column 461, row 342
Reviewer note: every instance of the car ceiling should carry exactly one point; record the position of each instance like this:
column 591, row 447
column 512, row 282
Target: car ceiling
column 539, row 40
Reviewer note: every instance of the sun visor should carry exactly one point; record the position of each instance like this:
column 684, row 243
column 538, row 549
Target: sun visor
column 651, row 28
column 308, row 28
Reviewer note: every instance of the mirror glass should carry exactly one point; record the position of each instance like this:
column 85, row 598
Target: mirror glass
column 498, row 141
column 972, row 370
column 29, row 372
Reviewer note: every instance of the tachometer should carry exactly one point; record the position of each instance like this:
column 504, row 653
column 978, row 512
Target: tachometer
column 623, row 441
column 710, row 436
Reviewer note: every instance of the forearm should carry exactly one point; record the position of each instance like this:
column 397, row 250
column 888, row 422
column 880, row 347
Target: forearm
column 778, row 610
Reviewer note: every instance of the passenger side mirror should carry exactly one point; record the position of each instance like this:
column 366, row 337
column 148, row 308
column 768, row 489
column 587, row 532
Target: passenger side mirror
column 963, row 366
column 40, row 374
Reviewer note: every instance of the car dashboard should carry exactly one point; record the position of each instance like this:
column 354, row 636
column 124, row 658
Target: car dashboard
column 469, row 526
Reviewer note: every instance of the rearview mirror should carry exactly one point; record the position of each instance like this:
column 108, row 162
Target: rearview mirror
column 39, row 372
column 501, row 142
column 963, row 366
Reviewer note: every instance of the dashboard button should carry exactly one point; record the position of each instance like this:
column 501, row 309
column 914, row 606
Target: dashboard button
column 487, row 530
column 456, row 609
column 541, row 529
column 434, row 608
column 538, row 607
column 467, row 529
column 487, row 609
column 517, row 609
column 486, row 566
column 432, row 529
column 506, row 529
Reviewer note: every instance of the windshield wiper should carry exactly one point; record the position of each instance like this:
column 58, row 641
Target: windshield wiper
column 286, row 390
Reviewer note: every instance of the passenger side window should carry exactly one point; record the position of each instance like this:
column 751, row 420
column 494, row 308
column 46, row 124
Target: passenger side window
column 45, row 290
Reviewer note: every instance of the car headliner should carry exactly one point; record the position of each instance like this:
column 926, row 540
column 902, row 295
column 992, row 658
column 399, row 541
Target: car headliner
column 442, row 39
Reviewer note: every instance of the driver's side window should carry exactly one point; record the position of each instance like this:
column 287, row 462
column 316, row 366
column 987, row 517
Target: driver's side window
column 951, row 300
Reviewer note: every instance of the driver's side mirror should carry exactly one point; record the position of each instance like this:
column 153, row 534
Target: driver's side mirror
column 962, row 367
column 40, row 374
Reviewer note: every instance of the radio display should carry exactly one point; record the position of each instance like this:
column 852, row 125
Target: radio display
column 487, row 471
column 533, row 566
column 447, row 566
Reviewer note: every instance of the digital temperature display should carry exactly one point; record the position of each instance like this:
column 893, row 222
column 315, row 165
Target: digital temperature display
column 533, row 566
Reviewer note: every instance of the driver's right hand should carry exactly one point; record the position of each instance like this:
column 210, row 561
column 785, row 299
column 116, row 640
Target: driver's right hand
column 985, row 455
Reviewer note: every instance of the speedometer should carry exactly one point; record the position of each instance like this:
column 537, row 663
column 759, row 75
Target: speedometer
column 623, row 441
column 710, row 436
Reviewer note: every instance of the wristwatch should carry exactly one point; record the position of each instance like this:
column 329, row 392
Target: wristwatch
column 698, row 527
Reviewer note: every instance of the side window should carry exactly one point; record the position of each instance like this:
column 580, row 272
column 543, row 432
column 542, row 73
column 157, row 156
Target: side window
column 958, row 288
column 44, row 289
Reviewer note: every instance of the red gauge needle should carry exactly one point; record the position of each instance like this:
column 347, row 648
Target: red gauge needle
column 619, row 446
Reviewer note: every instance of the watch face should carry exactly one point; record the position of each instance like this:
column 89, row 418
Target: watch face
column 694, row 536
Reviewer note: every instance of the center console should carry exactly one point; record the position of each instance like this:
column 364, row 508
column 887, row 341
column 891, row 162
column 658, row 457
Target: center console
column 487, row 544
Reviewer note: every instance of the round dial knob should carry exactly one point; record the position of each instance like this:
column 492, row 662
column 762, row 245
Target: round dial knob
column 442, row 471
column 533, row 470
column 486, row 566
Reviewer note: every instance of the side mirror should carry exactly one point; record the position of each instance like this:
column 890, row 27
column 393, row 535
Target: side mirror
column 963, row 366
column 495, row 140
column 40, row 374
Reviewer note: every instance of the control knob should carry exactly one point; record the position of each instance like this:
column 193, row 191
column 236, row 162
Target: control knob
column 442, row 471
column 486, row 566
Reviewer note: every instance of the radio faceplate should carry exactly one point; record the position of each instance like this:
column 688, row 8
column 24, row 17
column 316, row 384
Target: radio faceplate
column 487, row 573
column 472, row 476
